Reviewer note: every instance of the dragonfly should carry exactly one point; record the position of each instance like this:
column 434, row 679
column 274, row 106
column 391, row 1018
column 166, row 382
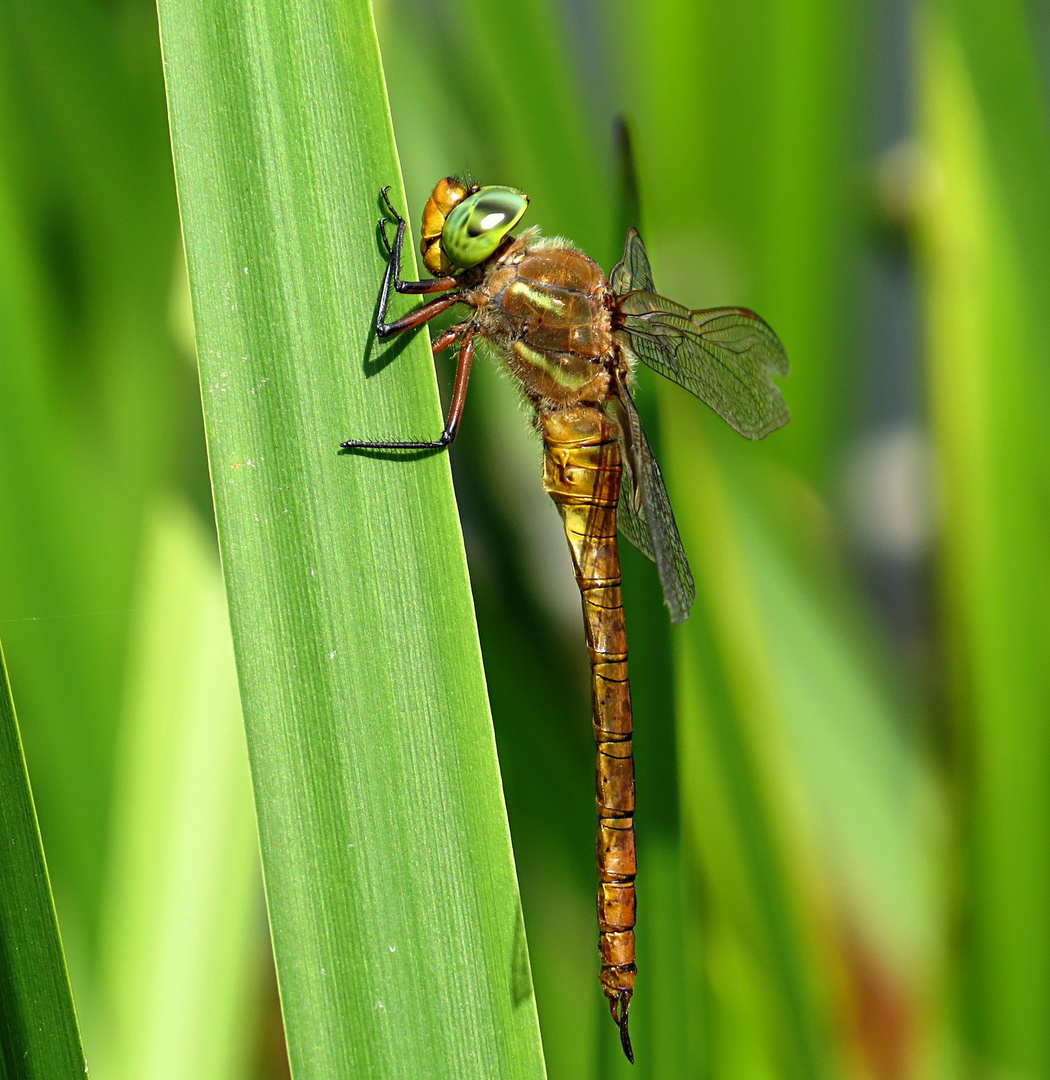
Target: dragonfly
column 572, row 339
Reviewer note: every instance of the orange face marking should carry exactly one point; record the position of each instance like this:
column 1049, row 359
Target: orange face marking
column 447, row 193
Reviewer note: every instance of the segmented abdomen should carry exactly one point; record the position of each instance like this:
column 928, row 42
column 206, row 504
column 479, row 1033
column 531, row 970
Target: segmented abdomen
column 581, row 473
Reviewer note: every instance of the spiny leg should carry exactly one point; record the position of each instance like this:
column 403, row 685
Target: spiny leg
column 414, row 319
column 459, row 388
column 401, row 286
column 392, row 274
column 459, row 393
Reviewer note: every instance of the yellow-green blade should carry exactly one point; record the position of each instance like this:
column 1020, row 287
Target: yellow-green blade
column 181, row 930
column 391, row 891
column 984, row 261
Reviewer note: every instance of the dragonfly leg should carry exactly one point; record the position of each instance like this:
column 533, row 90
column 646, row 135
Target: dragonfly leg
column 459, row 395
column 413, row 319
column 459, row 389
column 392, row 278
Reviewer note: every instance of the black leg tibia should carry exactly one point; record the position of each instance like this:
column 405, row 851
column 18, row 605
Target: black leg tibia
column 412, row 321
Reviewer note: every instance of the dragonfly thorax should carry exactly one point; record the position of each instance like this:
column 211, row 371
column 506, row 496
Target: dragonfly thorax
column 546, row 308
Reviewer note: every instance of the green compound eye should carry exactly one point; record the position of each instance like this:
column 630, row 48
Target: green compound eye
column 476, row 226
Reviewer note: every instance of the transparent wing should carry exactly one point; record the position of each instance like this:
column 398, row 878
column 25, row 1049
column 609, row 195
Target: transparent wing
column 629, row 522
column 632, row 272
column 644, row 514
column 727, row 357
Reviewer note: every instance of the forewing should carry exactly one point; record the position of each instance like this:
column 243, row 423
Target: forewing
column 632, row 271
column 727, row 357
column 644, row 514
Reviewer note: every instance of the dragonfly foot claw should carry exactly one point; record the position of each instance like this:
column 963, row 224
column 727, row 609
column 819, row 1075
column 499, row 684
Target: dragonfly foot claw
column 395, row 216
column 383, row 222
column 391, row 218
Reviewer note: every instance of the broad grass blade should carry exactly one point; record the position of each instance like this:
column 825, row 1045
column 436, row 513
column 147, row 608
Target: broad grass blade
column 985, row 260
column 390, row 883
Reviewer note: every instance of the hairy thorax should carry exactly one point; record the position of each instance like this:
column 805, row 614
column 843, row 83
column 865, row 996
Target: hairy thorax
column 546, row 308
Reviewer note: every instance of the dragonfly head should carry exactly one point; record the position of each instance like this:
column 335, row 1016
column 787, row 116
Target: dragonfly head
column 463, row 226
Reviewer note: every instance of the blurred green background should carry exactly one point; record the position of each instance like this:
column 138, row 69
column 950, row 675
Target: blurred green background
column 844, row 799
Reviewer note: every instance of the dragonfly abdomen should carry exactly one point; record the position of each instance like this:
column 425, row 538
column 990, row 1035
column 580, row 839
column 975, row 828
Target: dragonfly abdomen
column 582, row 473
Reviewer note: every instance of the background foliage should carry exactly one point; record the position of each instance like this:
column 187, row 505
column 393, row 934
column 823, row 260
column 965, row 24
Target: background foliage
column 842, row 756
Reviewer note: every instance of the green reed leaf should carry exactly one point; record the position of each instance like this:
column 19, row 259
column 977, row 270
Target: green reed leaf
column 39, row 1036
column 392, row 898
